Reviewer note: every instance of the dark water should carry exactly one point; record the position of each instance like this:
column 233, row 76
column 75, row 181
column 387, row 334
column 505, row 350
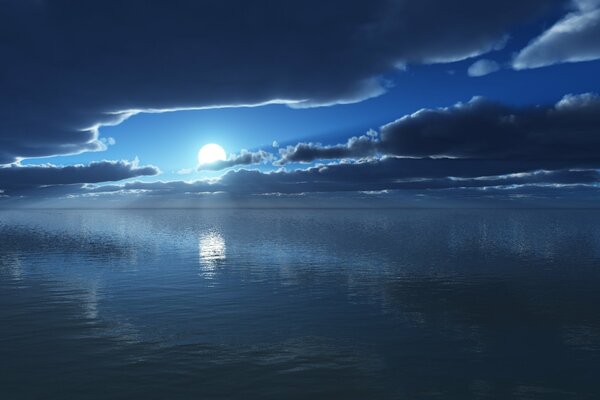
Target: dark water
column 348, row 304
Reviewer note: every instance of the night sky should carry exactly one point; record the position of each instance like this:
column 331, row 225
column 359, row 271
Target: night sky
column 363, row 103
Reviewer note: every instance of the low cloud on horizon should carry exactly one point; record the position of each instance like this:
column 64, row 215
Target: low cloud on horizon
column 475, row 145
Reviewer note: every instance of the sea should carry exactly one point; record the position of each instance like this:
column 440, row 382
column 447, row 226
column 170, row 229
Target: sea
column 299, row 304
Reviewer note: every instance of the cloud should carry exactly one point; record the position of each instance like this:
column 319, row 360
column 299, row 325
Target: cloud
column 572, row 39
column 360, row 146
column 369, row 175
column 476, row 145
column 74, row 67
column 478, row 129
column 20, row 180
column 441, row 180
column 482, row 68
column 244, row 158
column 485, row 129
column 109, row 141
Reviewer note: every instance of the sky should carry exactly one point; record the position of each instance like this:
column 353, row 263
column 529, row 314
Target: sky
column 367, row 103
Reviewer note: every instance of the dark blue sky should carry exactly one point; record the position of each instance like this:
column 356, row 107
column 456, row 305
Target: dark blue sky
column 78, row 68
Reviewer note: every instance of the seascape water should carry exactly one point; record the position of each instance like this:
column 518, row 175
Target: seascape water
column 349, row 304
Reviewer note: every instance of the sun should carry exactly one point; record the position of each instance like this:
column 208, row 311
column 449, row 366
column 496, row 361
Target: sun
column 210, row 153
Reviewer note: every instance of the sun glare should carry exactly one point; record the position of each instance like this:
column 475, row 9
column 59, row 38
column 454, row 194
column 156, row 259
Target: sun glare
column 210, row 153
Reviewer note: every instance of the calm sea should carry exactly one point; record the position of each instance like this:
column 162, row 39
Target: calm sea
column 300, row 304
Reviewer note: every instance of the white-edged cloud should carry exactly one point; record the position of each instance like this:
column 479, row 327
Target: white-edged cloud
column 68, row 74
column 477, row 129
column 29, row 179
column 574, row 38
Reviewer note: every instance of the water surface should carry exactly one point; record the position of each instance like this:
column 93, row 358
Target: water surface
column 349, row 304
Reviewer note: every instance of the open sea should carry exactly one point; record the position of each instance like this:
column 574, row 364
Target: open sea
column 299, row 304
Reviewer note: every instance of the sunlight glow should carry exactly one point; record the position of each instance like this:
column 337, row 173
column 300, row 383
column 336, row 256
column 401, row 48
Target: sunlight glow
column 210, row 153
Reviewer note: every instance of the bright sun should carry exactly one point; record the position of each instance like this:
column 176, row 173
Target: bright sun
column 210, row 153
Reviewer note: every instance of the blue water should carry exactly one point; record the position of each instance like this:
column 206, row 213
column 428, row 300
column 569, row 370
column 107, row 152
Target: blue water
column 306, row 304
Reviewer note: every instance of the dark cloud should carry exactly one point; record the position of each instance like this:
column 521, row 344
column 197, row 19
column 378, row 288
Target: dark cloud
column 20, row 180
column 572, row 39
column 358, row 146
column 388, row 182
column 245, row 157
column 70, row 67
column 396, row 174
column 374, row 175
column 484, row 129
column 469, row 146
column 478, row 144
column 479, row 129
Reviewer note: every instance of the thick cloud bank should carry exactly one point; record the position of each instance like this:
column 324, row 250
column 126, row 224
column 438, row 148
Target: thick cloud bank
column 72, row 66
column 444, row 178
column 29, row 179
column 574, row 38
column 478, row 129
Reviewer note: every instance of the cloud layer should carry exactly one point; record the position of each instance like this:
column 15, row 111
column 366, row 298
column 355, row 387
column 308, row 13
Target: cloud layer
column 478, row 129
column 389, row 177
column 478, row 147
column 572, row 39
column 74, row 66
column 28, row 180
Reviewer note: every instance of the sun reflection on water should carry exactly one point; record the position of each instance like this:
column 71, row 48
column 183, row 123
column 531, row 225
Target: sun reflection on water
column 211, row 252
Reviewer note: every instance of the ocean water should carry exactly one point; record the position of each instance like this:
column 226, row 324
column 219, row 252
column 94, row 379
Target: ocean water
column 300, row 304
